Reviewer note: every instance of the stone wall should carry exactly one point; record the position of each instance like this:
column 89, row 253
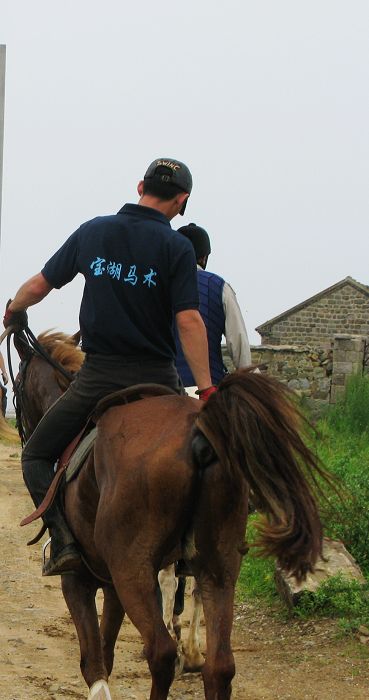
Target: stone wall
column 344, row 310
column 305, row 370
column 317, row 374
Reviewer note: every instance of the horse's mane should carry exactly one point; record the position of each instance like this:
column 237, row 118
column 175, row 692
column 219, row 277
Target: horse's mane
column 62, row 348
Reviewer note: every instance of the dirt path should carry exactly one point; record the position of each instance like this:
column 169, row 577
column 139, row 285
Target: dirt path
column 39, row 652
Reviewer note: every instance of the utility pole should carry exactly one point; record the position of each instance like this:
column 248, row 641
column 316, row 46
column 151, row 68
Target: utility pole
column 2, row 105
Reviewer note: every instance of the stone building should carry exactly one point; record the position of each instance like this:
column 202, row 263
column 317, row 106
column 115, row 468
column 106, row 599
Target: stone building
column 340, row 309
column 317, row 345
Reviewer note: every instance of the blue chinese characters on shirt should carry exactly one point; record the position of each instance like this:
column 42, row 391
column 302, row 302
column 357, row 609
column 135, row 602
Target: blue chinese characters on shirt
column 100, row 267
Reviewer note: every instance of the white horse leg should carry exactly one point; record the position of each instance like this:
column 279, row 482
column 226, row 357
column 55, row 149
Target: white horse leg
column 168, row 585
column 99, row 691
column 194, row 659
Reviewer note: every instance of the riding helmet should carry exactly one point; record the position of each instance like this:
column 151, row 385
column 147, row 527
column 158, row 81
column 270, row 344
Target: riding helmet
column 199, row 239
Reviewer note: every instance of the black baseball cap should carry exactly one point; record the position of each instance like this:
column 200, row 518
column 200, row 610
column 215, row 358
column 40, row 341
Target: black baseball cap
column 170, row 171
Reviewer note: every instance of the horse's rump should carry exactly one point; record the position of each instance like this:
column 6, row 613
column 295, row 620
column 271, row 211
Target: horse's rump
column 147, row 442
column 78, row 454
column 143, row 473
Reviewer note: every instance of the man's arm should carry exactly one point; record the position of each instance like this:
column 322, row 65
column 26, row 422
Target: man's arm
column 31, row 292
column 235, row 330
column 192, row 334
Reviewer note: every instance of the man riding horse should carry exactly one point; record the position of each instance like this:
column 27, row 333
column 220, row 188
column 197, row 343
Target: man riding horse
column 139, row 275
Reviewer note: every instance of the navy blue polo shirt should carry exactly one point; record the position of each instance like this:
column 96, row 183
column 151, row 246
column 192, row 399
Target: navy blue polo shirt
column 138, row 273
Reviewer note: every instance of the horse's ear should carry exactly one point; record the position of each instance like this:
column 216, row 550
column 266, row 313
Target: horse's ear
column 22, row 346
column 76, row 338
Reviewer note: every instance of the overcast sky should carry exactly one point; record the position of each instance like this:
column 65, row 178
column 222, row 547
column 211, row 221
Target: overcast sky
column 266, row 101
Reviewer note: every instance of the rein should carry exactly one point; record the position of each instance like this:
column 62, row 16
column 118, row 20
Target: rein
column 30, row 341
column 37, row 349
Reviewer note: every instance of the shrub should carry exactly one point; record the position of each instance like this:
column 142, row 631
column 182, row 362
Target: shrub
column 340, row 597
column 351, row 413
column 344, row 450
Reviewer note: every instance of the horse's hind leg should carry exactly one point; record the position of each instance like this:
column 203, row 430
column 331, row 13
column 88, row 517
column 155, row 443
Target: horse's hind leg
column 168, row 586
column 219, row 667
column 194, row 659
column 138, row 594
column 111, row 622
column 79, row 593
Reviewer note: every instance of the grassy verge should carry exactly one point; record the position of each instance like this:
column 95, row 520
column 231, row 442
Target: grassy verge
column 344, row 449
column 341, row 598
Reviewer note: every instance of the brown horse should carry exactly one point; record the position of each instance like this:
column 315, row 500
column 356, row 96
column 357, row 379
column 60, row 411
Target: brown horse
column 169, row 479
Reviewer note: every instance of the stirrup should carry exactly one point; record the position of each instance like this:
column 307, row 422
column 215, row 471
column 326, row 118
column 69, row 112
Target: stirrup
column 68, row 561
column 44, row 548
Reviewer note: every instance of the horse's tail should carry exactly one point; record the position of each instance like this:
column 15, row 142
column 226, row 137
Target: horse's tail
column 253, row 425
column 6, row 431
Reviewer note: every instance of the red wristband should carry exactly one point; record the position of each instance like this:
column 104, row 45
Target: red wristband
column 205, row 393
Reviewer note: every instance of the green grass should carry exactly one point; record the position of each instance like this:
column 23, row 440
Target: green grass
column 347, row 519
column 256, row 579
column 350, row 416
column 338, row 597
column 344, row 450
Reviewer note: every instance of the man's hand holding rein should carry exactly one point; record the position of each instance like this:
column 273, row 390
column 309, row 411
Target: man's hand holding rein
column 17, row 319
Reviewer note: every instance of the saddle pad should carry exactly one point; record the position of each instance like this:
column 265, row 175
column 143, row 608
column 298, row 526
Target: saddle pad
column 80, row 454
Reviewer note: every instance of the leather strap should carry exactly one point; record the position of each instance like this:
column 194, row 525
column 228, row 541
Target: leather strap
column 47, row 501
column 51, row 492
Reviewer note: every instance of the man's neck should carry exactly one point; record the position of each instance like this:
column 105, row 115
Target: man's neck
column 160, row 205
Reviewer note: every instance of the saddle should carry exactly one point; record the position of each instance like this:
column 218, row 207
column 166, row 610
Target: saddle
column 75, row 455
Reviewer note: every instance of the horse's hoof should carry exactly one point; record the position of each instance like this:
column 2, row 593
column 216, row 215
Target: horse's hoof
column 193, row 665
column 179, row 663
column 99, row 691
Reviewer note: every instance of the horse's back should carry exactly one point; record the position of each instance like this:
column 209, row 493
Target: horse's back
column 152, row 413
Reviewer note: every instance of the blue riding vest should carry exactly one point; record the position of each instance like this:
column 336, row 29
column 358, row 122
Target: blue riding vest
column 212, row 312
